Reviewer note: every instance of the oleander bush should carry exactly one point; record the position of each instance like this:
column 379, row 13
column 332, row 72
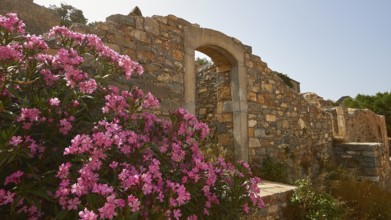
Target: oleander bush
column 73, row 146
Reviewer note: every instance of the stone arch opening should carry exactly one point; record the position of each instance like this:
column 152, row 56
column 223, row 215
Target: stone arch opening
column 228, row 58
column 213, row 101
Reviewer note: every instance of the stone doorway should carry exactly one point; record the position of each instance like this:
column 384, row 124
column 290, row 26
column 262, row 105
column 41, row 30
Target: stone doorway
column 228, row 58
column 213, row 103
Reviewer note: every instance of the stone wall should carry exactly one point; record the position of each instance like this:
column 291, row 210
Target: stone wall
column 365, row 144
column 369, row 160
column 255, row 113
column 365, row 126
column 276, row 121
column 212, row 95
column 275, row 206
column 283, row 125
column 38, row 19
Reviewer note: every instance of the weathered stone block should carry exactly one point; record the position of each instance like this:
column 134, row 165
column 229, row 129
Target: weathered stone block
column 151, row 26
column 252, row 123
column 227, row 106
column 254, row 142
column 285, row 124
column 267, row 87
column 252, row 96
column 271, row 118
column 141, row 36
column 145, row 55
column 224, row 139
column 260, row 132
column 177, row 55
column 121, row 19
column 224, row 93
column 164, row 77
column 225, row 117
column 250, row 132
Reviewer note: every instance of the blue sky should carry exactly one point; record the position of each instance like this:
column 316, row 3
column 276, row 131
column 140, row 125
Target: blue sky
column 333, row 48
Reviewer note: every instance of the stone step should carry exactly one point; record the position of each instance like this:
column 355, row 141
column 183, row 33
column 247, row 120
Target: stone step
column 276, row 197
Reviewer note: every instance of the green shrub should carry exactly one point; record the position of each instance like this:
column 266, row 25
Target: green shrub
column 308, row 202
column 273, row 170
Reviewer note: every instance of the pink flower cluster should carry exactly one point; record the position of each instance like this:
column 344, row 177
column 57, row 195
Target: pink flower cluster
column 144, row 182
column 27, row 143
column 13, row 178
column 12, row 23
column 94, row 43
column 6, row 197
column 10, row 52
column 35, row 43
column 104, row 149
column 28, row 116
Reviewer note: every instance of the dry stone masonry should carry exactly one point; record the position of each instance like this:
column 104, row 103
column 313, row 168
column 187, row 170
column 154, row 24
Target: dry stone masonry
column 250, row 108
column 214, row 104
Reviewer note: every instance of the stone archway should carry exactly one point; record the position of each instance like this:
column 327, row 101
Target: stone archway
column 227, row 55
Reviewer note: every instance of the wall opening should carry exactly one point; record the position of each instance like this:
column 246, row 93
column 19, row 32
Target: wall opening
column 228, row 57
column 213, row 101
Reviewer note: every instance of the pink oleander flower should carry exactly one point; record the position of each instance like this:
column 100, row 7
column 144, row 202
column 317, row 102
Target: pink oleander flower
column 87, row 215
column 246, row 209
column 108, row 210
column 54, row 102
column 150, row 101
column 88, row 86
column 6, row 197
column 29, row 114
column 192, row 217
column 80, row 144
column 66, row 57
column 177, row 214
column 15, row 178
column 73, row 203
column 75, row 103
column 12, row 23
column 63, row 170
column 16, row 140
column 94, row 43
column 65, row 32
column 74, row 76
column 49, row 77
column 133, row 203
column 10, row 52
column 102, row 189
column 35, row 43
column 102, row 139
column 65, row 126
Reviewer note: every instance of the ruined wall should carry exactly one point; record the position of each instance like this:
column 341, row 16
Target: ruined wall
column 273, row 120
column 369, row 160
column 38, row 19
column 283, row 125
column 363, row 125
column 365, row 144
